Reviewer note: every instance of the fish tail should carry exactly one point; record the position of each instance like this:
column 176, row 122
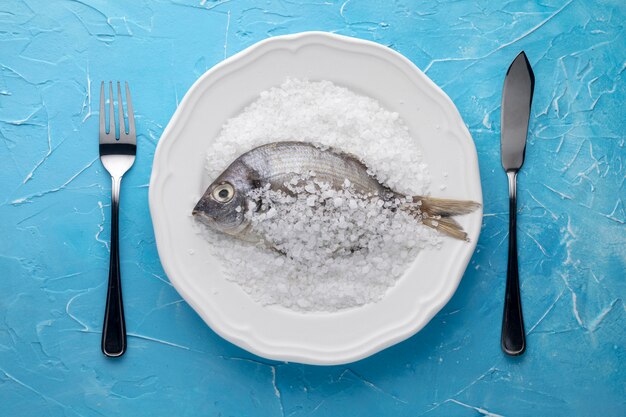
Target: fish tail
column 436, row 212
column 448, row 226
column 445, row 207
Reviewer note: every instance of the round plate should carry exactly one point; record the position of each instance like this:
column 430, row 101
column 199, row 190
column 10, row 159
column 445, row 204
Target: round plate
column 178, row 180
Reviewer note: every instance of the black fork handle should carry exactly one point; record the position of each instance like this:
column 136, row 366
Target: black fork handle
column 114, row 327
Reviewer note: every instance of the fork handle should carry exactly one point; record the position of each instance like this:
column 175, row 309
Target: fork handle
column 513, row 340
column 114, row 327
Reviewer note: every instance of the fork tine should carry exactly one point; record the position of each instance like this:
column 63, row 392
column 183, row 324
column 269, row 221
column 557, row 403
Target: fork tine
column 120, row 111
column 103, row 128
column 111, row 111
column 131, row 115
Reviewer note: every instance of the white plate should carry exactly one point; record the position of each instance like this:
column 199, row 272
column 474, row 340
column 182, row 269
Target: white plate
column 178, row 181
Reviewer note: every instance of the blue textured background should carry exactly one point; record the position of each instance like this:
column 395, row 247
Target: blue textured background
column 54, row 214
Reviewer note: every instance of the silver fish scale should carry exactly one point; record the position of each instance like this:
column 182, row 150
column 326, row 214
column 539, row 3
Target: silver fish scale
column 278, row 162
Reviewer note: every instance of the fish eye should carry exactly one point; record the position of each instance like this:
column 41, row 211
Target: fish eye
column 223, row 193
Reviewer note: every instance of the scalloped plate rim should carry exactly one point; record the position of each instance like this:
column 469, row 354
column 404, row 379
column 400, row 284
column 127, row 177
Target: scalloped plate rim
column 246, row 339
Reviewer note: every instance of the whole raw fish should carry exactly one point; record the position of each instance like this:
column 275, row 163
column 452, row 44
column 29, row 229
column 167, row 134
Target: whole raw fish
column 226, row 201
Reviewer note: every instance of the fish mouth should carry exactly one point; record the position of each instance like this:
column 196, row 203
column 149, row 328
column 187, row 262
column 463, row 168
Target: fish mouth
column 198, row 209
column 201, row 214
column 201, row 217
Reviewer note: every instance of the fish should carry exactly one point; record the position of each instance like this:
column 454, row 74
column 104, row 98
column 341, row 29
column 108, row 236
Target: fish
column 224, row 204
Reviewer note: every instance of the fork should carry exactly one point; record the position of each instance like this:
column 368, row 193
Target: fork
column 117, row 156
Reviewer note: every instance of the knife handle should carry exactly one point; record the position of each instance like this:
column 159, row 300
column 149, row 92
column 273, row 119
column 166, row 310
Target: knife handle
column 513, row 340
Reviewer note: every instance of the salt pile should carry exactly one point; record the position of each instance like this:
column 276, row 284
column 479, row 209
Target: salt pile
column 325, row 248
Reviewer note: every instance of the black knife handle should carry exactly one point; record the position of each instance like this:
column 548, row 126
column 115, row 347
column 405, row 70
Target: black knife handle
column 513, row 338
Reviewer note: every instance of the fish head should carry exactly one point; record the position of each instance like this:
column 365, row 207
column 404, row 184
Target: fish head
column 224, row 203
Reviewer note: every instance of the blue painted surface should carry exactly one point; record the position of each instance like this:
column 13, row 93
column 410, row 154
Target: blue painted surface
column 54, row 211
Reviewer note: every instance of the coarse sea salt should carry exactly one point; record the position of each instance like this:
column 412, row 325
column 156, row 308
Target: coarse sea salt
column 324, row 249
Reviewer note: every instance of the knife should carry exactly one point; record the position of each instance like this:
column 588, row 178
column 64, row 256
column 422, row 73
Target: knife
column 517, row 97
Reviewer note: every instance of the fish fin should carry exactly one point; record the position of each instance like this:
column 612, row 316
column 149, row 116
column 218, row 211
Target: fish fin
column 435, row 212
column 445, row 207
column 447, row 226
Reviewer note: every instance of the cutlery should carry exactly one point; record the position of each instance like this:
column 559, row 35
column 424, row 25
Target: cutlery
column 517, row 97
column 117, row 156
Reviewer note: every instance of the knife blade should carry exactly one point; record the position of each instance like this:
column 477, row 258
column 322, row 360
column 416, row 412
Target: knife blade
column 517, row 96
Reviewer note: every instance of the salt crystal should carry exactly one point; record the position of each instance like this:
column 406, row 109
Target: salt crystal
column 329, row 194
column 270, row 213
